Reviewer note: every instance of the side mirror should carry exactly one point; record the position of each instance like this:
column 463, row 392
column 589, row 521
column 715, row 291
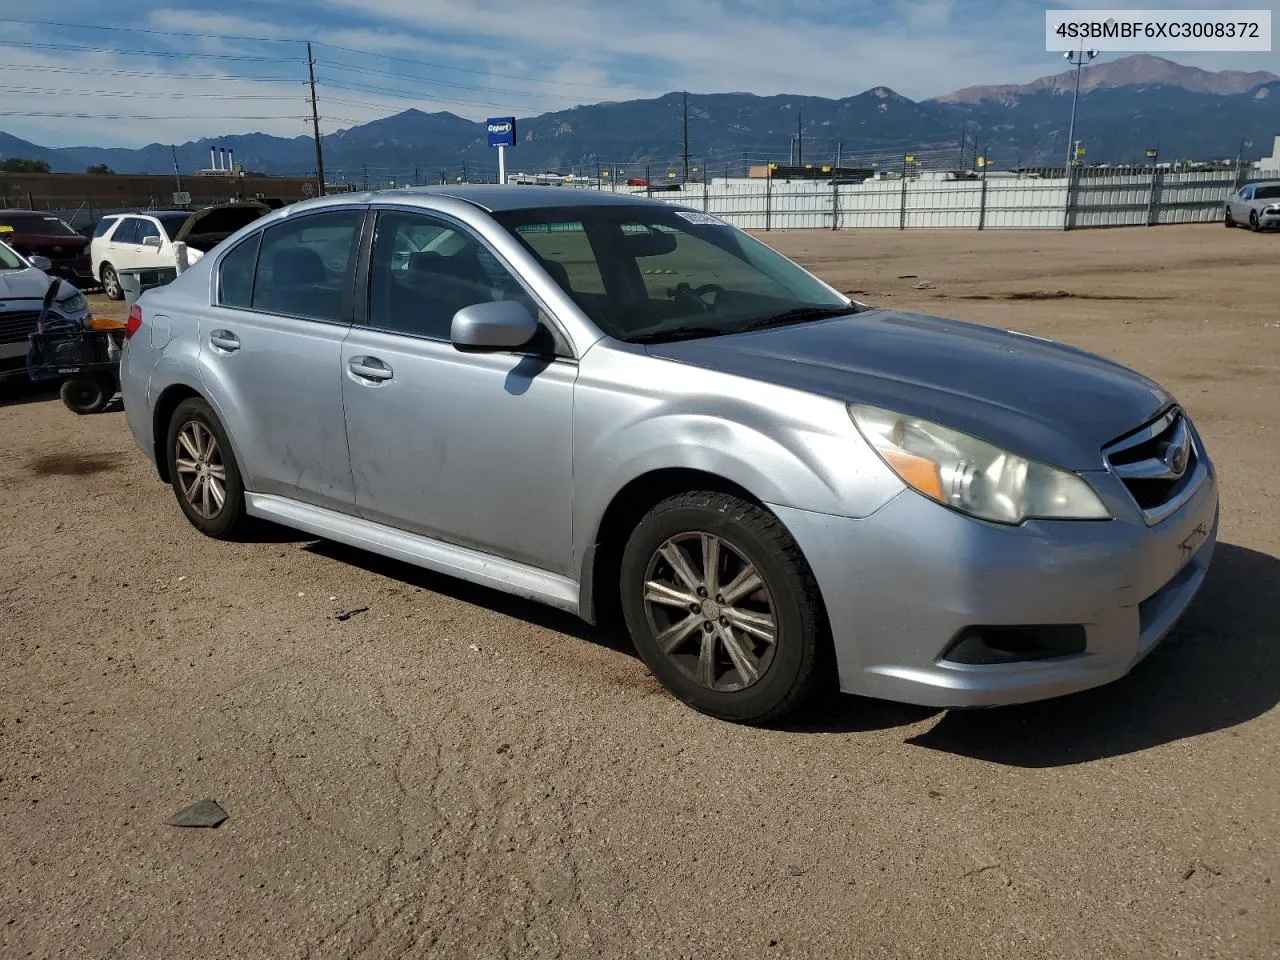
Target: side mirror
column 41, row 263
column 497, row 325
column 152, row 241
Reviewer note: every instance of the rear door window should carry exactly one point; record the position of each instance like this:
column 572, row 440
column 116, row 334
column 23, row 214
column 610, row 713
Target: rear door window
column 304, row 265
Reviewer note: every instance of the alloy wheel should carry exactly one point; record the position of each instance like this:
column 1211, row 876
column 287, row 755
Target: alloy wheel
column 202, row 475
column 710, row 611
column 111, row 284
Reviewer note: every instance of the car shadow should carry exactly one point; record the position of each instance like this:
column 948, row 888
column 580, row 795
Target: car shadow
column 1220, row 667
column 509, row 605
column 19, row 390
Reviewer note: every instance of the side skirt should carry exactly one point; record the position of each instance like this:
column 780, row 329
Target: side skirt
column 461, row 562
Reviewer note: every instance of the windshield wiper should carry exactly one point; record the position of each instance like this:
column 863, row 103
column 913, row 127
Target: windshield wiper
column 677, row 333
column 799, row 315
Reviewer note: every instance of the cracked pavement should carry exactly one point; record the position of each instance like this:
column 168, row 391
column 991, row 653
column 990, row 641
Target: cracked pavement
column 453, row 773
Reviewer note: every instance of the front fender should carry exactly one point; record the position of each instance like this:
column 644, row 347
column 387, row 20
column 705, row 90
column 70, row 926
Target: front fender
column 783, row 446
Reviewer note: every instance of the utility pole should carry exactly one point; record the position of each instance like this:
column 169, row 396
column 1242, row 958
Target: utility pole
column 364, row 176
column 839, row 150
column 1084, row 57
column 315, row 124
column 417, row 180
column 176, row 175
column 799, row 139
column 686, row 137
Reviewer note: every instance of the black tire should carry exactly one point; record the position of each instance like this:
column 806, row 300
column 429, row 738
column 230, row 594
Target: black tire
column 111, row 282
column 792, row 670
column 1253, row 221
column 228, row 519
column 1228, row 222
column 90, row 393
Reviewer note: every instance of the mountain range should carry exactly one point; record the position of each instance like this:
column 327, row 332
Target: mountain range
column 1127, row 107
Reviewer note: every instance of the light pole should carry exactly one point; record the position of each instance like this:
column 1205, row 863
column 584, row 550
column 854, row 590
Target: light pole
column 1079, row 59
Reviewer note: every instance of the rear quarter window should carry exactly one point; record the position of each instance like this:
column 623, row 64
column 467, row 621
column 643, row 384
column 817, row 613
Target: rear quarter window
column 104, row 225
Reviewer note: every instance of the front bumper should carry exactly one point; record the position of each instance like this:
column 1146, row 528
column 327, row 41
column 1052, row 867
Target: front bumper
column 76, row 272
column 901, row 585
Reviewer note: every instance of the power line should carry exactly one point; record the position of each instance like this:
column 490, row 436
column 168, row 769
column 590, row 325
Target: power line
column 418, row 96
column 128, row 94
column 447, row 83
column 146, row 53
column 95, row 72
column 134, row 116
column 160, row 33
column 318, row 43
column 485, row 73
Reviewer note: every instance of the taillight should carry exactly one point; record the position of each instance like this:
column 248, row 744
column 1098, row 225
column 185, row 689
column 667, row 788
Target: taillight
column 134, row 323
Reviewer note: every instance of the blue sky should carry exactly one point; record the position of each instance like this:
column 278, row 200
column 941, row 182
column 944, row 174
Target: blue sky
column 479, row 58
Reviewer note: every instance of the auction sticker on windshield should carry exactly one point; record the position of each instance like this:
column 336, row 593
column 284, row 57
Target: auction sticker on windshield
column 700, row 218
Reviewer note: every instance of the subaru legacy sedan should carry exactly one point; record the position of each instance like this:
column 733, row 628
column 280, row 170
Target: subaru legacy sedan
column 635, row 412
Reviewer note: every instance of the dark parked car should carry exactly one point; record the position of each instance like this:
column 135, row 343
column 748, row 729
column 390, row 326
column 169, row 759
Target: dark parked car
column 35, row 234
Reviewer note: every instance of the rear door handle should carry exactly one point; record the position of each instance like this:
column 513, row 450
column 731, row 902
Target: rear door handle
column 224, row 340
column 370, row 368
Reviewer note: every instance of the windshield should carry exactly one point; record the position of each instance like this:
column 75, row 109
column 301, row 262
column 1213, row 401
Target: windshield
column 10, row 260
column 646, row 274
column 172, row 222
column 35, row 224
column 1267, row 193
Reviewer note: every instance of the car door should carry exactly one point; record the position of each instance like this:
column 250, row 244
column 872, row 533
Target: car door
column 271, row 345
column 471, row 448
column 122, row 244
column 1240, row 205
column 100, row 242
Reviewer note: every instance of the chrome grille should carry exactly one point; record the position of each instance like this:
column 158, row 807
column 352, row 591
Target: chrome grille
column 1158, row 464
column 16, row 327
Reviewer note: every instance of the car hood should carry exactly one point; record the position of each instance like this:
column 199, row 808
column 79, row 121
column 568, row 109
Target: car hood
column 28, row 284
column 1028, row 395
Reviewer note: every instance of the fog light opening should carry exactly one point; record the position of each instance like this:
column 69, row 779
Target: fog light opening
column 1005, row 644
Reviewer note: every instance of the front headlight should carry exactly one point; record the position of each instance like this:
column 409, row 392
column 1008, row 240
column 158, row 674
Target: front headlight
column 973, row 476
column 74, row 303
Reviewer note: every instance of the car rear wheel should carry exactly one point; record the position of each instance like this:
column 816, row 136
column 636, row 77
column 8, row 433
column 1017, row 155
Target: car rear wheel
column 203, row 471
column 111, row 283
column 723, row 608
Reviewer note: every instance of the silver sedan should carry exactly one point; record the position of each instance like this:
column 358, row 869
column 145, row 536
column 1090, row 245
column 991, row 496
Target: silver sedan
column 636, row 412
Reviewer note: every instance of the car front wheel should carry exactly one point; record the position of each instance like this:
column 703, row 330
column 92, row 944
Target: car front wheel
column 203, row 471
column 723, row 608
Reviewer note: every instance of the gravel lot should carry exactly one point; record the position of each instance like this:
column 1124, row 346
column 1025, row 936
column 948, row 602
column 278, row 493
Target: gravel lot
column 453, row 773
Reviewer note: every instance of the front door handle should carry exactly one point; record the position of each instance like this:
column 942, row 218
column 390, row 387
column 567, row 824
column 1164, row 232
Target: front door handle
column 370, row 368
column 224, row 340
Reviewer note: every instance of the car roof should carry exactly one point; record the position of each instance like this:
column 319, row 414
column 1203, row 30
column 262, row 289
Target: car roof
column 496, row 197
column 492, row 197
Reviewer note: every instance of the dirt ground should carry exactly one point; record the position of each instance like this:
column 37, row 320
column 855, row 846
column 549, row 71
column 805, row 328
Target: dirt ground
column 452, row 773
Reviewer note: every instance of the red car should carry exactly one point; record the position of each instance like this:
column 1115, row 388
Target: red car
column 35, row 234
